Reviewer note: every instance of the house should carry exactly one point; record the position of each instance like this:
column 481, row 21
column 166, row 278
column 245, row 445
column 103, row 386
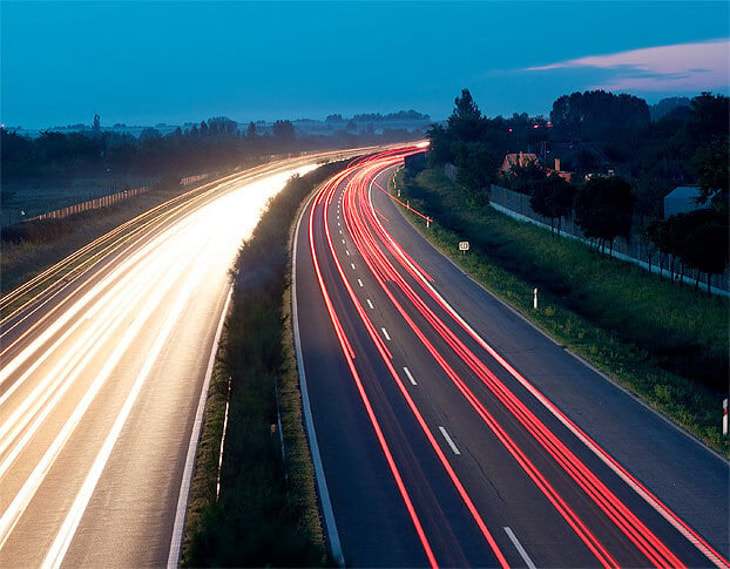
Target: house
column 681, row 200
column 519, row 160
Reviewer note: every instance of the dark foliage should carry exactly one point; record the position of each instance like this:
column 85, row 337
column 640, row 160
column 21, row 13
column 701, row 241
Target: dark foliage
column 604, row 209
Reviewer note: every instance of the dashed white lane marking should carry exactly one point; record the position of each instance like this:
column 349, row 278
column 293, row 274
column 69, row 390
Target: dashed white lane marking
column 449, row 440
column 385, row 333
column 343, row 241
column 353, row 266
column 359, row 282
column 410, row 376
column 370, row 304
column 347, row 252
column 518, row 546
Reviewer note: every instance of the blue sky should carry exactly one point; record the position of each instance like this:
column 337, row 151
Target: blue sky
column 142, row 62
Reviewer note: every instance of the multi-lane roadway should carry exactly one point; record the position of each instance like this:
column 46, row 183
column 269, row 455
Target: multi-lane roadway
column 447, row 431
column 103, row 363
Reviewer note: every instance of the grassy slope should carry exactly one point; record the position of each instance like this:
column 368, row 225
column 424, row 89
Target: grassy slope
column 666, row 343
column 267, row 513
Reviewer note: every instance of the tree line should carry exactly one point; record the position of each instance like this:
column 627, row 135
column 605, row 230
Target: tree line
column 215, row 144
column 624, row 166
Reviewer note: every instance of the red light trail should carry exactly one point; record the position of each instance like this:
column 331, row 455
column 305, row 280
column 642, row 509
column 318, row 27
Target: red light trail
column 391, row 268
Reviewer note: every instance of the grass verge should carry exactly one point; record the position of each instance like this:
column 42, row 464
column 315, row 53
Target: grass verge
column 267, row 512
column 666, row 343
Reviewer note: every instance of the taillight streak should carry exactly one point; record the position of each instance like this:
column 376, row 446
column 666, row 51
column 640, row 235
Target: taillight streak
column 652, row 500
column 548, row 490
column 387, row 357
column 635, row 530
column 349, row 357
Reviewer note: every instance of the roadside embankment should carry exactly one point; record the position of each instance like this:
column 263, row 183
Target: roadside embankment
column 665, row 343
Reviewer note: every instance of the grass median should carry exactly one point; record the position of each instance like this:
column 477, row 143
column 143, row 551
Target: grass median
column 267, row 512
column 664, row 342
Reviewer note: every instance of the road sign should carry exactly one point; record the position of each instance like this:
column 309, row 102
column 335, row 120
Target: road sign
column 463, row 245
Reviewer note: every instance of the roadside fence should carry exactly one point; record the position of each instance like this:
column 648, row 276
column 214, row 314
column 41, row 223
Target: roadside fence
column 637, row 250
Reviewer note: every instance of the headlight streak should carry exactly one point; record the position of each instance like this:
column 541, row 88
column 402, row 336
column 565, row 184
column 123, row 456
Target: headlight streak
column 12, row 514
column 363, row 223
column 72, row 356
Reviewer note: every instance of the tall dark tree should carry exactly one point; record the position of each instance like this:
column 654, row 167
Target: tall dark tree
column 604, row 209
column 466, row 122
column 711, row 164
column 553, row 197
column 476, row 163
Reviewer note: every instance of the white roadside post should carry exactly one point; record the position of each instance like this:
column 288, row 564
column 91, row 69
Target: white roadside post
column 534, row 299
column 724, row 417
column 428, row 222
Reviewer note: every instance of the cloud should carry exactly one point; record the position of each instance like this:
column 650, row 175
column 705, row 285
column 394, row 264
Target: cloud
column 688, row 67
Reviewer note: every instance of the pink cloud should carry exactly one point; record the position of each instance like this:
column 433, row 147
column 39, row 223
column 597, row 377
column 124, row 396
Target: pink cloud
column 681, row 67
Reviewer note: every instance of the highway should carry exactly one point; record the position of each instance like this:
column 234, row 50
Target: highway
column 104, row 359
column 448, row 431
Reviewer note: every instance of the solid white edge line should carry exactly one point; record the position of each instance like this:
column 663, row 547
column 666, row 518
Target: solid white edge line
column 449, row 440
column 409, row 375
column 173, row 558
column 518, row 546
column 324, row 496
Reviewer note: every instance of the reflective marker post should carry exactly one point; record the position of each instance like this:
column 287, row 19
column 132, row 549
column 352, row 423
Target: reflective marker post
column 724, row 417
column 534, row 299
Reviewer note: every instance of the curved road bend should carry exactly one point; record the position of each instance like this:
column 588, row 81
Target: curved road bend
column 453, row 433
column 101, row 376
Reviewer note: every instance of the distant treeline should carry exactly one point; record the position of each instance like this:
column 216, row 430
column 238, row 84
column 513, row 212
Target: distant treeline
column 411, row 115
column 215, row 144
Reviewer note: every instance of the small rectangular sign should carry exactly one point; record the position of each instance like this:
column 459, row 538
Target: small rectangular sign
column 463, row 245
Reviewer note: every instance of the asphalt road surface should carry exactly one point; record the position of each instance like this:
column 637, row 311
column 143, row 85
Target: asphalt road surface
column 103, row 365
column 448, row 431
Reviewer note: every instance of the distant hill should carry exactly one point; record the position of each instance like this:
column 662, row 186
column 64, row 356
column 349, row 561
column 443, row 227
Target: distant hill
column 666, row 106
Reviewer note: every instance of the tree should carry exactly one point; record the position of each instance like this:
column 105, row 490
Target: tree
column 712, row 166
column 466, row 122
column 283, row 132
column 698, row 238
column 597, row 116
column 706, row 250
column 440, row 150
column 251, row 133
column 604, row 209
column 525, row 177
column 476, row 162
column 553, row 197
